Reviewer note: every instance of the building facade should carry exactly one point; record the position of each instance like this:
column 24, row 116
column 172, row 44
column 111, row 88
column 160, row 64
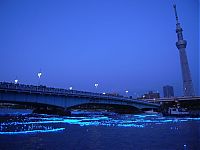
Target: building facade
column 168, row 91
column 151, row 95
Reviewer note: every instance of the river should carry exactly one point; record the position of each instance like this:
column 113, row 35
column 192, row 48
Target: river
column 20, row 129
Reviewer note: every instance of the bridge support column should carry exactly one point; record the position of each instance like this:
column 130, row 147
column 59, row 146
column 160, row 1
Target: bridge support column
column 52, row 111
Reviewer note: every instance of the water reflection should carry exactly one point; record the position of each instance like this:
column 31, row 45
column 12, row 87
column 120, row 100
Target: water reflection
column 34, row 123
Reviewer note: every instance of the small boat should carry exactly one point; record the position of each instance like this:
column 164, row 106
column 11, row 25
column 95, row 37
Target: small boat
column 178, row 112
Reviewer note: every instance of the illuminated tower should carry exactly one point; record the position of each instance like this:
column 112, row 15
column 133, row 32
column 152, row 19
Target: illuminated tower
column 188, row 89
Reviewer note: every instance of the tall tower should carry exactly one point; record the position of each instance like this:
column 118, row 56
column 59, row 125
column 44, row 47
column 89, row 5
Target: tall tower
column 188, row 89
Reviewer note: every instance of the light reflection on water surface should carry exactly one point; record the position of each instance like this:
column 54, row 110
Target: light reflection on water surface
column 34, row 123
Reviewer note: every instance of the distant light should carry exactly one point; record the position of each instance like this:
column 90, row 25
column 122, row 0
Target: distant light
column 104, row 93
column 96, row 85
column 143, row 96
column 16, row 81
column 70, row 88
column 39, row 74
column 126, row 92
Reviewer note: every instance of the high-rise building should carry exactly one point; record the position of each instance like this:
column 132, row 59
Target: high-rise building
column 188, row 88
column 168, row 91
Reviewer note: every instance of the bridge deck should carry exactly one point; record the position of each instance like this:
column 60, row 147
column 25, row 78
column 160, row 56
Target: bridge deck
column 43, row 90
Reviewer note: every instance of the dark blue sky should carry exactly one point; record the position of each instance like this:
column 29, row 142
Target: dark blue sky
column 122, row 45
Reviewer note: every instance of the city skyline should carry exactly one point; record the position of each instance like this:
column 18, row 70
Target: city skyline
column 121, row 46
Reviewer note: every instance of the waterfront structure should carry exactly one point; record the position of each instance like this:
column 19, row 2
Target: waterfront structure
column 188, row 88
column 168, row 91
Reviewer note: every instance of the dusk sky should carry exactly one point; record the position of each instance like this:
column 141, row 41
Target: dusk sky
column 119, row 44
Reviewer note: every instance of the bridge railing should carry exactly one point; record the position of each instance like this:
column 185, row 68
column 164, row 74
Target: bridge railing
column 49, row 90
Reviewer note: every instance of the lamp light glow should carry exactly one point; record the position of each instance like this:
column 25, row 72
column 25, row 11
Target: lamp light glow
column 16, row 81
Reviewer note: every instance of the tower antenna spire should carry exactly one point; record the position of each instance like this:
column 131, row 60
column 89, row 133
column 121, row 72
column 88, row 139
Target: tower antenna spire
column 175, row 13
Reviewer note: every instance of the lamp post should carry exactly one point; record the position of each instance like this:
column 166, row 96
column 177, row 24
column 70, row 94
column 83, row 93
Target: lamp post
column 39, row 76
column 126, row 93
column 96, row 85
column 16, row 81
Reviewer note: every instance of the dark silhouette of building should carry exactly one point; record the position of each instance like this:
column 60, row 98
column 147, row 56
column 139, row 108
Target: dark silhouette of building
column 168, row 91
column 151, row 95
column 188, row 88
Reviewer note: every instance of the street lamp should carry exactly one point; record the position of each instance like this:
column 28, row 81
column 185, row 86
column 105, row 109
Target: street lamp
column 16, row 81
column 39, row 76
column 96, row 85
column 70, row 88
column 126, row 93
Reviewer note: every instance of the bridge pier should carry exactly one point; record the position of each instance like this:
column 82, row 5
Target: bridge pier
column 120, row 109
column 52, row 111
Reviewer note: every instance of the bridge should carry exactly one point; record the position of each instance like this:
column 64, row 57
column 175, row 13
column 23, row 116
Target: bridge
column 63, row 98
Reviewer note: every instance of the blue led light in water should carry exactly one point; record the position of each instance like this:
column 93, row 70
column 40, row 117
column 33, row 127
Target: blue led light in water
column 131, row 125
column 38, row 123
column 34, row 131
column 185, row 146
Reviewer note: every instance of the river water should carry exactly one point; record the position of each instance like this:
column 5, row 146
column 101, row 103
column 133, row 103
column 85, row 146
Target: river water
column 19, row 129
